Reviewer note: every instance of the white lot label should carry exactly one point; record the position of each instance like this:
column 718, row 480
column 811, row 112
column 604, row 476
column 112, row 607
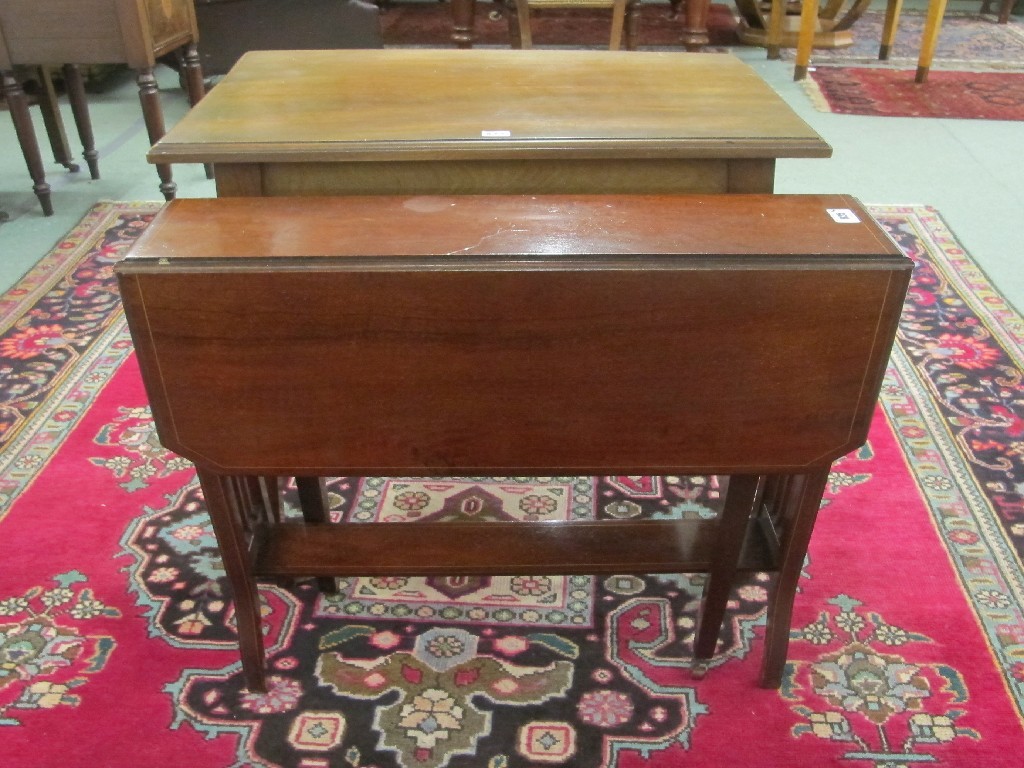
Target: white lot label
column 495, row 134
column 843, row 215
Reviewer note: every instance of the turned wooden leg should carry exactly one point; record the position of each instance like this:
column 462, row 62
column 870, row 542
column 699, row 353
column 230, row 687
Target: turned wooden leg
column 194, row 83
column 226, row 512
column 315, row 510
column 463, row 14
column 732, row 527
column 800, row 509
column 153, row 115
column 695, row 30
column 932, row 25
column 79, row 108
column 18, row 106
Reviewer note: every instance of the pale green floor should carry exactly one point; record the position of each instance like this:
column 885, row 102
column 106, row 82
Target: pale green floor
column 972, row 171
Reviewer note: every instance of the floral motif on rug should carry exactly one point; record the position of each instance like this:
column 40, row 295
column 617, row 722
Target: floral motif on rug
column 46, row 652
column 860, row 693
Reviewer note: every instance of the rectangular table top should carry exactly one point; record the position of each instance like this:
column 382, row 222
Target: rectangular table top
column 590, row 334
column 430, row 104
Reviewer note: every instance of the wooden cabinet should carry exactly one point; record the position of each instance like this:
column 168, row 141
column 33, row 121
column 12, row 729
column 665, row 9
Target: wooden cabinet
column 133, row 32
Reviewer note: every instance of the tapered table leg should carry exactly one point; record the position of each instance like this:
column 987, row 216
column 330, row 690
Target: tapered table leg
column 732, row 528
column 153, row 115
column 80, row 110
column 18, row 106
column 226, row 513
column 800, row 509
column 315, row 509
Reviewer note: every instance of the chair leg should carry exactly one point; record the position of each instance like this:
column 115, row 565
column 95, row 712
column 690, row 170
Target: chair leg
column 800, row 508
column 153, row 115
column 523, row 20
column 618, row 24
column 80, row 110
column 1004, row 11
column 892, row 20
column 932, row 25
column 632, row 24
column 805, row 39
column 18, row 105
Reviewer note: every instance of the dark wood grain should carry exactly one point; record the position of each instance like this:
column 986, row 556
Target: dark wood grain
column 744, row 335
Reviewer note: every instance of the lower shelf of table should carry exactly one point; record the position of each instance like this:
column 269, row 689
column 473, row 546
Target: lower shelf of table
column 500, row 548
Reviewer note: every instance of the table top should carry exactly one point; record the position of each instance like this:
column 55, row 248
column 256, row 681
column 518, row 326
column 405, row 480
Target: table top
column 434, row 104
column 364, row 231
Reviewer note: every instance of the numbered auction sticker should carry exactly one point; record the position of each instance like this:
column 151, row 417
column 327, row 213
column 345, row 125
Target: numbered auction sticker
column 843, row 215
column 495, row 134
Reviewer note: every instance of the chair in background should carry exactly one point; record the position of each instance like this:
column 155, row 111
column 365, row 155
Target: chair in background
column 809, row 23
column 132, row 32
column 1004, row 9
column 625, row 15
column 17, row 104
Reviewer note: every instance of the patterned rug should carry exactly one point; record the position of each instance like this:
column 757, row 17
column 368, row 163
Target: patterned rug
column 893, row 93
column 966, row 41
column 430, row 24
column 116, row 633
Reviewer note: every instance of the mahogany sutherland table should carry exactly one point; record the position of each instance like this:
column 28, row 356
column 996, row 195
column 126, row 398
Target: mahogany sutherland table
column 420, row 121
column 743, row 335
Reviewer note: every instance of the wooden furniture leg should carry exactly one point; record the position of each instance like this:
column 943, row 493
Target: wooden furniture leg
column 739, row 503
column 892, row 17
column 18, row 106
column 463, row 13
column 805, row 41
column 695, row 29
column 226, row 507
column 932, row 25
column 76, row 97
column 50, row 110
column 153, row 116
column 800, row 509
column 194, row 84
column 315, row 510
column 773, row 40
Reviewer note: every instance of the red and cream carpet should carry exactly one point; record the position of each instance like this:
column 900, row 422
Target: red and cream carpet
column 116, row 631
column 893, row 93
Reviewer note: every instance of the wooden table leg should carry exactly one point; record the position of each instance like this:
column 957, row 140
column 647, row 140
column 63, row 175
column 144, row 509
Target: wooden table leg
column 79, row 108
column 18, row 106
column 315, row 510
column 732, row 527
column 153, row 115
column 225, row 505
column 52, row 121
column 194, row 83
column 800, row 508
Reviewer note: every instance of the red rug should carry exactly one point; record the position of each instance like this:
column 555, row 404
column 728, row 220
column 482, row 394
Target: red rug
column 116, row 632
column 893, row 93
column 430, row 24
